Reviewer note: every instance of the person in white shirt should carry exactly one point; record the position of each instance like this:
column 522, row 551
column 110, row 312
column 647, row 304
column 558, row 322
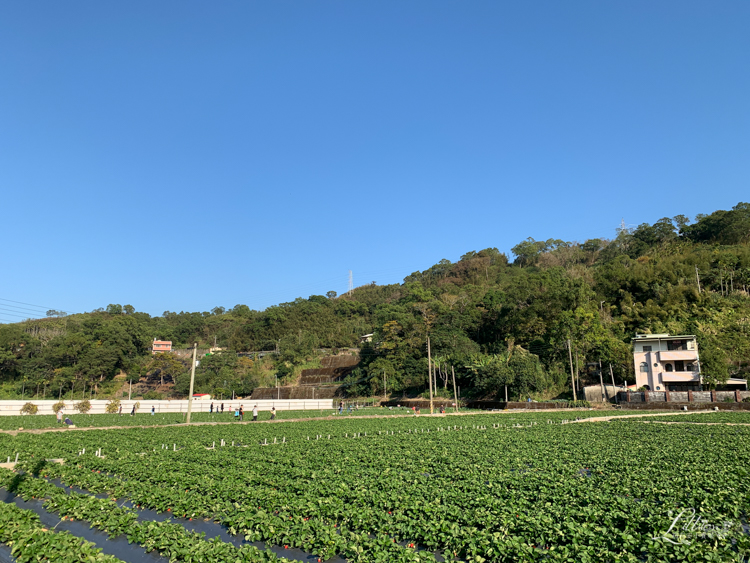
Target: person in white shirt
column 255, row 413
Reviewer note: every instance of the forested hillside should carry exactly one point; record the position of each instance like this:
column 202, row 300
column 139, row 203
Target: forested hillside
column 496, row 320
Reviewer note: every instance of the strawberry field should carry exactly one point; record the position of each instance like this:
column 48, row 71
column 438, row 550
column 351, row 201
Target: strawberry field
column 504, row 487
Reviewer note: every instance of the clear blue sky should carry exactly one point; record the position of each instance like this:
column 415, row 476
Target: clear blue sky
column 183, row 155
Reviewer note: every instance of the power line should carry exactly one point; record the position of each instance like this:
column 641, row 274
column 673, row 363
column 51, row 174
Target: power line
column 19, row 309
column 32, row 305
column 22, row 303
column 13, row 314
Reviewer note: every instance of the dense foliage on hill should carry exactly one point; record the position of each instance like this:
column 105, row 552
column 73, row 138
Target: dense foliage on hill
column 495, row 322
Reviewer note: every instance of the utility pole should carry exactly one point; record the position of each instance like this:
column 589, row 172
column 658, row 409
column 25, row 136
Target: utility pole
column 429, row 370
column 130, row 389
column 698, row 279
column 572, row 377
column 612, row 375
column 385, row 391
column 455, row 396
column 351, row 283
column 192, row 382
column 434, row 376
column 601, row 382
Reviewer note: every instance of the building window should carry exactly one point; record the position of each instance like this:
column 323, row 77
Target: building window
column 644, row 367
column 689, row 367
column 647, row 348
column 667, row 367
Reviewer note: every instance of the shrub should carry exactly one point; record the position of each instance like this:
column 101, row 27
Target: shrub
column 84, row 406
column 112, row 406
column 579, row 404
column 29, row 408
column 153, row 396
column 58, row 406
column 746, row 400
column 136, row 406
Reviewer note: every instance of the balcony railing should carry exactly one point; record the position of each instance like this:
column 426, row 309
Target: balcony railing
column 680, row 377
column 676, row 355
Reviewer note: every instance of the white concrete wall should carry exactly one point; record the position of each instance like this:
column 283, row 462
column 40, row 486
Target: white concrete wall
column 8, row 408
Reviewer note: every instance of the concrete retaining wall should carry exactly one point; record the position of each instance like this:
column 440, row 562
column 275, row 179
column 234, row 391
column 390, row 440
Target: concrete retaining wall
column 640, row 406
column 8, row 408
column 593, row 393
column 689, row 397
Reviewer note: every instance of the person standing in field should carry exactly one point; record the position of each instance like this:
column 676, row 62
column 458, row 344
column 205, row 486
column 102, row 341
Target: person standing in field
column 153, row 410
column 222, row 408
column 119, row 411
column 59, row 416
column 211, row 410
column 255, row 413
column 341, row 407
column 273, row 413
column 242, row 412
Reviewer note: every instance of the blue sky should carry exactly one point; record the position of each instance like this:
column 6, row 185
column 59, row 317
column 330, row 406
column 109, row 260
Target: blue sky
column 184, row 155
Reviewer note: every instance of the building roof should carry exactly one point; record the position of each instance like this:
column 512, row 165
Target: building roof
column 641, row 337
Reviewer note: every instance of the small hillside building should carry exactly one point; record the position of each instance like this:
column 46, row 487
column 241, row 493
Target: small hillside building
column 667, row 363
column 161, row 346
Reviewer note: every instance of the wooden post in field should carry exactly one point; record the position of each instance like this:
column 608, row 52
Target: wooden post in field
column 192, row 382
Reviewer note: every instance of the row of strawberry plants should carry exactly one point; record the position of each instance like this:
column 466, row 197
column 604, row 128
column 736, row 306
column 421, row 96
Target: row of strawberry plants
column 30, row 541
column 286, row 528
column 181, row 545
column 171, row 540
column 283, row 488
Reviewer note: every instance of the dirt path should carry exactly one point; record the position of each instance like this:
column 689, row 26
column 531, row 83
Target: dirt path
column 642, row 415
column 698, row 423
